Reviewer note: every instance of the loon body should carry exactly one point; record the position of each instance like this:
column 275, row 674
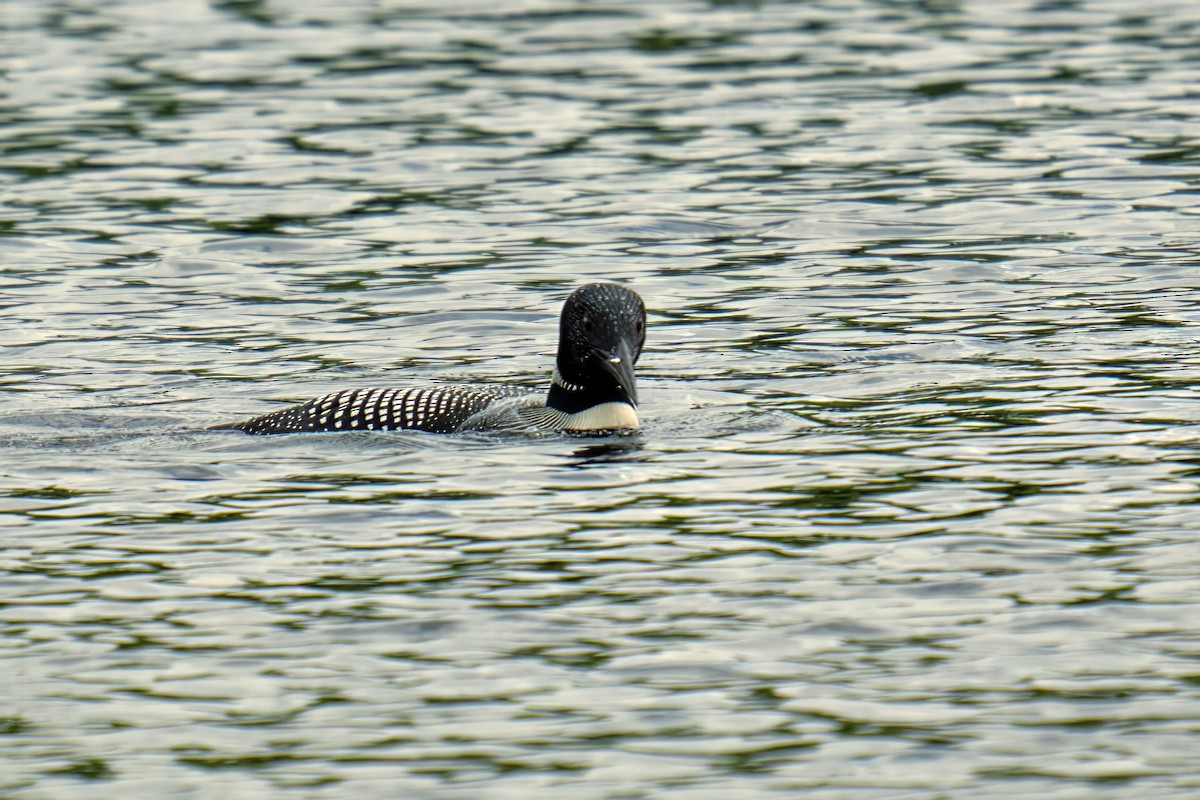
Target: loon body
column 601, row 333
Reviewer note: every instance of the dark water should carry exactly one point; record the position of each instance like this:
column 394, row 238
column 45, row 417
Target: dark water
column 915, row 512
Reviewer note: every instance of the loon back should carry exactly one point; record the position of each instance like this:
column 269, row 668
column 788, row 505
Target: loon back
column 601, row 333
column 439, row 409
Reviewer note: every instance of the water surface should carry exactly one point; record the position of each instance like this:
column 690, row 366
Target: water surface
column 915, row 507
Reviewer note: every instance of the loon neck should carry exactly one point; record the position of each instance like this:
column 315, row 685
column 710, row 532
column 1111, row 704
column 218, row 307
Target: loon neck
column 571, row 398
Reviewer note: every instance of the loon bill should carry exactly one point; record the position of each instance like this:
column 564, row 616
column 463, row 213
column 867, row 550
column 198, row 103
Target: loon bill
column 601, row 332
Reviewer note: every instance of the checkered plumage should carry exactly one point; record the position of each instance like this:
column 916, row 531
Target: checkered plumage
column 438, row 409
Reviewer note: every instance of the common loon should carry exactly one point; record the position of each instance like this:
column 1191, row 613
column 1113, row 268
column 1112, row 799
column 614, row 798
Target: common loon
column 601, row 332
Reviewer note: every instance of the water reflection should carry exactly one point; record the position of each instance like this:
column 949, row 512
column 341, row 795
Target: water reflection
column 627, row 449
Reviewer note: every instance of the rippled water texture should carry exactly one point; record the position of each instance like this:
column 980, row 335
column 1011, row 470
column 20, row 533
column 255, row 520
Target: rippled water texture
column 915, row 512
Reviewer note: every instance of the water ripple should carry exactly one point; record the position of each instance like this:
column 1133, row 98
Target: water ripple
column 912, row 513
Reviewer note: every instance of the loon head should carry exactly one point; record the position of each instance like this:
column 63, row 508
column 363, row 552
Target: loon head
column 601, row 333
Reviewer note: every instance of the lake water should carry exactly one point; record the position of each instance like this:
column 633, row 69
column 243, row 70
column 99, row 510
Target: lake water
column 915, row 511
